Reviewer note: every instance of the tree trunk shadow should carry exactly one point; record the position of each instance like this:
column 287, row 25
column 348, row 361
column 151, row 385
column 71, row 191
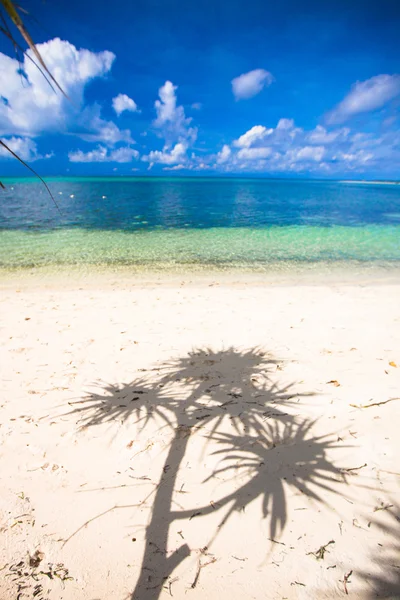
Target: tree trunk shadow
column 215, row 390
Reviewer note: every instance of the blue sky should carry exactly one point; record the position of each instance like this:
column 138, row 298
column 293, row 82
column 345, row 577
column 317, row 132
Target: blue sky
column 294, row 89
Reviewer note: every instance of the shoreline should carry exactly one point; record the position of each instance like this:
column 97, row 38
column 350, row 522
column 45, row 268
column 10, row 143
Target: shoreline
column 262, row 249
column 311, row 274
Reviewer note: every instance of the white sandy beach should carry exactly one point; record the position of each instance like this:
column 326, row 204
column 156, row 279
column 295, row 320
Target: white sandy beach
column 151, row 428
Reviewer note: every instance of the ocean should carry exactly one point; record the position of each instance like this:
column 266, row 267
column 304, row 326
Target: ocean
column 172, row 224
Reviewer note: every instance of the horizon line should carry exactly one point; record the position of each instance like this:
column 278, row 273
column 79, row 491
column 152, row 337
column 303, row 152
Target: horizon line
column 233, row 176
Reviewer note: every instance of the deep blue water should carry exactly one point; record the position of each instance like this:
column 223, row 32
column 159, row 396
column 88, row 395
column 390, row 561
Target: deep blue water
column 147, row 203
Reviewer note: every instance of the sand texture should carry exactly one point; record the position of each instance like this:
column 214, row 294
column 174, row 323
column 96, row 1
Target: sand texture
column 199, row 440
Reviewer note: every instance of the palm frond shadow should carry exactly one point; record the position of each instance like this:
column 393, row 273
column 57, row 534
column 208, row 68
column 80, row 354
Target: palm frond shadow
column 387, row 584
column 138, row 401
column 203, row 388
column 286, row 456
column 234, row 398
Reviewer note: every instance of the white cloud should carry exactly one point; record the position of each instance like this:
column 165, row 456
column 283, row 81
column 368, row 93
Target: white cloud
column 360, row 157
column 366, row 96
column 25, row 148
column 306, row 153
column 122, row 102
column 284, row 136
column 102, row 154
column 32, row 108
column 171, row 119
column 174, row 127
column 285, row 124
column 202, row 166
column 223, row 155
column 320, row 135
column 253, row 135
column 167, row 156
column 250, row 84
column 254, row 153
column 321, row 151
column 197, row 106
column 90, row 127
column 175, row 168
column 166, row 108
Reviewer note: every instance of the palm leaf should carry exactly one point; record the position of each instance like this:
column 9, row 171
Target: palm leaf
column 13, row 14
column 17, row 47
column 12, row 11
column 30, row 169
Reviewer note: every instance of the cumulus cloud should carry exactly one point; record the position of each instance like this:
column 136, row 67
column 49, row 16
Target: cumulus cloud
column 175, row 168
column 24, row 147
column 223, row 155
column 250, row 84
column 358, row 157
column 101, row 154
column 167, row 156
column 171, row 120
column 287, row 148
column 122, row 102
column 258, row 133
column 171, row 124
column 254, row 153
column 285, row 124
column 31, row 108
column 366, row 96
column 306, row 153
column 201, row 166
column 259, row 136
column 90, row 126
column 321, row 136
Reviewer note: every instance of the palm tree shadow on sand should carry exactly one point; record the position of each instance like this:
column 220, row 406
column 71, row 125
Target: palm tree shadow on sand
column 232, row 397
column 386, row 583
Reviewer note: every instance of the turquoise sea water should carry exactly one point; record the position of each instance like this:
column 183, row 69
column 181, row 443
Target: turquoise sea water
column 162, row 223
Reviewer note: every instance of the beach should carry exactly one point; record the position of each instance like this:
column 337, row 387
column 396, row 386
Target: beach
column 199, row 435
column 200, row 301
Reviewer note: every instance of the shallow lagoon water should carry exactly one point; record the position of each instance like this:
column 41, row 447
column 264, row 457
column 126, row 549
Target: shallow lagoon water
column 249, row 224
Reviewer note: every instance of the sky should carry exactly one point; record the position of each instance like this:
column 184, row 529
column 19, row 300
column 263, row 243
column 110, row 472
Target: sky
column 238, row 88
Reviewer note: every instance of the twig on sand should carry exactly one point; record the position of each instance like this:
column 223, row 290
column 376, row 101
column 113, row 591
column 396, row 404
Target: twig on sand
column 373, row 403
column 334, row 382
column 346, row 581
column 353, row 469
column 98, row 517
column 383, row 507
column 320, row 553
column 170, row 582
column 195, row 514
column 201, row 566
